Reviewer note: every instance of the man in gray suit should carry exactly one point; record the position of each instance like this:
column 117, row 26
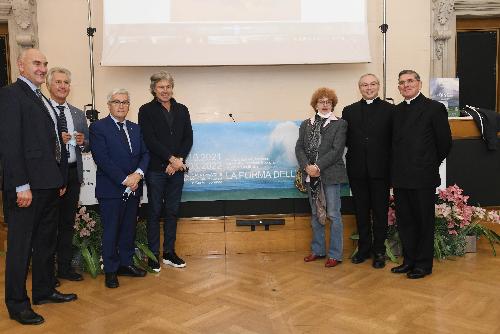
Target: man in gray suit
column 75, row 133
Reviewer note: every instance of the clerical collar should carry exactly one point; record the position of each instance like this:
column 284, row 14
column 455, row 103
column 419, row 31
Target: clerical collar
column 413, row 98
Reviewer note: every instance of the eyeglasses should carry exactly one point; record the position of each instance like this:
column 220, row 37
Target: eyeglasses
column 117, row 103
column 366, row 85
column 409, row 82
column 325, row 102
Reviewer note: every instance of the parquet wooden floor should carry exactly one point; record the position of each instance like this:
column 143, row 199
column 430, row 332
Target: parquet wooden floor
column 279, row 293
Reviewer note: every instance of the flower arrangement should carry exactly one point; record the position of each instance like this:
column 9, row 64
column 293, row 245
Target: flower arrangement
column 393, row 246
column 88, row 239
column 454, row 219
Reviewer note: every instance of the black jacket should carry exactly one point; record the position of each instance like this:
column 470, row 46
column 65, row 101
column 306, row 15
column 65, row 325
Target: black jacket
column 162, row 140
column 421, row 141
column 27, row 138
column 369, row 135
column 488, row 123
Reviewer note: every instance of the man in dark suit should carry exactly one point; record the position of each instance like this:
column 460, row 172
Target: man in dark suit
column 421, row 141
column 368, row 160
column 121, row 158
column 34, row 178
column 75, row 134
column 168, row 134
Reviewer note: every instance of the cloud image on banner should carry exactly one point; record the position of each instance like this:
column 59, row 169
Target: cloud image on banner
column 244, row 160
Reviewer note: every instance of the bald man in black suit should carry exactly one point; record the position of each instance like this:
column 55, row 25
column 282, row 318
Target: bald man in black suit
column 34, row 178
column 368, row 144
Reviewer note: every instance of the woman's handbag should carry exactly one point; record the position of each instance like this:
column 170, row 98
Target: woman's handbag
column 299, row 181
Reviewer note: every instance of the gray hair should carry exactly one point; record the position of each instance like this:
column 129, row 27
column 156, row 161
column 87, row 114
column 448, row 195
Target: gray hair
column 368, row 74
column 159, row 76
column 415, row 74
column 53, row 70
column 117, row 91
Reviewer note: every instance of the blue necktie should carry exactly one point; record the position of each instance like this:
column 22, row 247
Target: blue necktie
column 63, row 124
column 123, row 134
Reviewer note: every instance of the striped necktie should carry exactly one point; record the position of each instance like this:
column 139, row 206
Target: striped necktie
column 63, row 124
column 57, row 148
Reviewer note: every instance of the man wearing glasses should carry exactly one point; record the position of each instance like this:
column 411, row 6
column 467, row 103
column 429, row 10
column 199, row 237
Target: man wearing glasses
column 121, row 158
column 421, row 141
column 368, row 144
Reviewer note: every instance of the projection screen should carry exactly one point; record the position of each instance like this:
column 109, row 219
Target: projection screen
column 234, row 32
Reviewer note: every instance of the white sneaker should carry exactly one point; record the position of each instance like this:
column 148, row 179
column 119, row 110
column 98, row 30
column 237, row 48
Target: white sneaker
column 173, row 260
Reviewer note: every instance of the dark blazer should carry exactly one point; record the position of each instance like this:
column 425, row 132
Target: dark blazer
column 488, row 123
column 369, row 135
column 27, row 138
column 162, row 140
column 80, row 124
column 330, row 152
column 421, row 141
column 113, row 157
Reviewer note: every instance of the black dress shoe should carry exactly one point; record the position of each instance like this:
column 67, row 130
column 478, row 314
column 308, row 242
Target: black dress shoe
column 131, row 270
column 70, row 275
column 56, row 283
column 358, row 258
column 417, row 273
column 56, row 297
column 27, row 317
column 404, row 268
column 111, row 281
column 378, row 261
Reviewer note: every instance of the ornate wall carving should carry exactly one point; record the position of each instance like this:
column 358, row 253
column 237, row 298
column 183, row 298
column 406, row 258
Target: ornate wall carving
column 443, row 38
column 23, row 27
column 477, row 8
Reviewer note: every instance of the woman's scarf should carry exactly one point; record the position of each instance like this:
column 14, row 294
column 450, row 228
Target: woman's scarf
column 311, row 149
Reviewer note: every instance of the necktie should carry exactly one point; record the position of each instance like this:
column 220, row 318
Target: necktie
column 63, row 124
column 123, row 134
column 57, row 144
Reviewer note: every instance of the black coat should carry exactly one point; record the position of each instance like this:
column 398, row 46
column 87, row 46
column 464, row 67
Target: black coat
column 421, row 141
column 162, row 140
column 27, row 138
column 369, row 134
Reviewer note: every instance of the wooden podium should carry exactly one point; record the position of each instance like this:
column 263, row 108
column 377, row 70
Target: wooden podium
column 464, row 128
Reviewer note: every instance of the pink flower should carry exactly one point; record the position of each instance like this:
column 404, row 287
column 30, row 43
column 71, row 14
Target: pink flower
column 493, row 217
column 391, row 217
column 84, row 232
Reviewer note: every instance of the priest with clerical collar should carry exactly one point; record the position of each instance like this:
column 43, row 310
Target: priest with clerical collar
column 369, row 132
column 421, row 141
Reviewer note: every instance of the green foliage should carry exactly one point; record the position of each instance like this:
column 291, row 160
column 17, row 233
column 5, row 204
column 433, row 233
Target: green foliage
column 88, row 240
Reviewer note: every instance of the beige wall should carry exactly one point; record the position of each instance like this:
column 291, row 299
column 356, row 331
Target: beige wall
column 248, row 92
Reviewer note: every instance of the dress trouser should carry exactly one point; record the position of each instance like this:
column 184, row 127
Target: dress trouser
column 371, row 200
column 164, row 197
column 31, row 236
column 119, row 219
column 415, row 220
column 68, row 205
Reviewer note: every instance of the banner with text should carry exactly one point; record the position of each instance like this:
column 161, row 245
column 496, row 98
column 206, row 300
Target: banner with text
column 244, row 160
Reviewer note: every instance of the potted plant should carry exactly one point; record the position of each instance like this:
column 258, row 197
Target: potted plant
column 88, row 240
